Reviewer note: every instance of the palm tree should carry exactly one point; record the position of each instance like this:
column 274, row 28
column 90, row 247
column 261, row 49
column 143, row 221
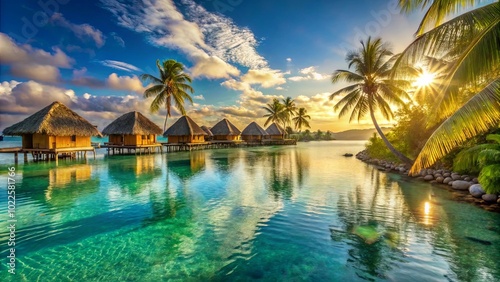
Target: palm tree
column 301, row 120
column 275, row 112
column 373, row 89
column 471, row 39
column 290, row 109
column 172, row 84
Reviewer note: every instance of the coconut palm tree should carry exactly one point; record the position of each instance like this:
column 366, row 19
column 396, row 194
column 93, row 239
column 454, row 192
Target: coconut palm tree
column 373, row 88
column 170, row 88
column 301, row 120
column 290, row 109
column 275, row 113
column 471, row 39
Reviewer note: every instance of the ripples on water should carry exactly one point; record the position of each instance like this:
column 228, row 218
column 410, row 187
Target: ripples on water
column 265, row 213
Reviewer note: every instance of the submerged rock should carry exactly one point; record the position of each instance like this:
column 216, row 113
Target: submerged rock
column 484, row 242
column 460, row 185
column 476, row 190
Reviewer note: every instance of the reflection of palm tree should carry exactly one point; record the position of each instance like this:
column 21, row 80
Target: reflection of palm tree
column 472, row 39
column 172, row 84
column 373, row 89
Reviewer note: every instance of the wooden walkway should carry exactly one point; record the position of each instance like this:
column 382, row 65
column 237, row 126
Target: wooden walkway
column 122, row 149
column 179, row 147
column 48, row 154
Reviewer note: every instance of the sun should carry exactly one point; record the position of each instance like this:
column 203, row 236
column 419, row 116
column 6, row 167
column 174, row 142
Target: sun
column 425, row 79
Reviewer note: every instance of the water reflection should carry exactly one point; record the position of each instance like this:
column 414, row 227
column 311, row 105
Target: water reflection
column 186, row 164
column 133, row 173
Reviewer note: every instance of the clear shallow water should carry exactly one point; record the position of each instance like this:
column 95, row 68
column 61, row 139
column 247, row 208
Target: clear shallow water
column 263, row 213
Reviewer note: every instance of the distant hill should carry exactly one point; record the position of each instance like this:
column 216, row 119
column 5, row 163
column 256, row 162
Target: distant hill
column 357, row 134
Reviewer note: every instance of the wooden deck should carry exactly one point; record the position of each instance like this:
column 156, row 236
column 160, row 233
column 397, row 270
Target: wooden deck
column 129, row 149
column 48, row 154
column 220, row 144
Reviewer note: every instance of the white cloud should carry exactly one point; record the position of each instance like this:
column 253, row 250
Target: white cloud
column 43, row 73
column 279, row 88
column 308, row 73
column 227, row 40
column 129, row 83
column 12, row 53
column 289, row 59
column 32, row 63
column 82, row 31
column 265, row 77
column 199, row 97
column 119, row 65
column 213, row 67
column 209, row 40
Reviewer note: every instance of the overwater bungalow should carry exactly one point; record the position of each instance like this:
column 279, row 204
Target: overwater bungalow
column 54, row 130
column 209, row 133
column 275, row 132
column 253, row 133
column 132, row 131
column 185, row 130
column 224, row 130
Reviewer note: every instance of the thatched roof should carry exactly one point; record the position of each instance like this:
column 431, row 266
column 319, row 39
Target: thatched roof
column 56, row 120
column 254, row 129
column 275, row 129
column 184, row 126
column 225, row 127
column 133, row 123
column 207, row 130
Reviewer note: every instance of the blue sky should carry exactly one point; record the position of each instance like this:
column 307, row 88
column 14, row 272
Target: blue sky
column 241, row 54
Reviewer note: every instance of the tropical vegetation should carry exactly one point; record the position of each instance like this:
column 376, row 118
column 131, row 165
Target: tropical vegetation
column 470, row 43
column 169, row 89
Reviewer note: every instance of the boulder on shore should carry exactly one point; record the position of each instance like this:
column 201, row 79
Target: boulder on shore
column 439, row 179
column 476, row 190
column 491, row 198
column 429, row 177
column 447, row 180
column 460, row 185
column 456, row 176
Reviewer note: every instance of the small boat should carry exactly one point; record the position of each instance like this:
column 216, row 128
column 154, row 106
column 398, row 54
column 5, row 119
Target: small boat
column 347, row 155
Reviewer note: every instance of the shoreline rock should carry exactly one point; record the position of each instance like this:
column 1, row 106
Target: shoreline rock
column 464, row 187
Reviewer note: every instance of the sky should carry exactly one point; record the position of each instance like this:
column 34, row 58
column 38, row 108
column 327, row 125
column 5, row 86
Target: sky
column 240, row 53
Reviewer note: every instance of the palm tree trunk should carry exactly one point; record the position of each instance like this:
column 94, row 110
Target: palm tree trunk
column 391, row 148
column 165, row 123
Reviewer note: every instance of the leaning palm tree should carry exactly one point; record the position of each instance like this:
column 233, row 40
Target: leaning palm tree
column 301, row 120
column 472, row 39
column 275, row 112
column 170, row 88
column 373, row 89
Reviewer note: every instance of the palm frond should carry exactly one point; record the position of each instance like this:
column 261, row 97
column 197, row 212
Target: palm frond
column 478, row 115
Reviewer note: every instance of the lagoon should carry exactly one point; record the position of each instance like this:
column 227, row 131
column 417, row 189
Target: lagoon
column 283, row 213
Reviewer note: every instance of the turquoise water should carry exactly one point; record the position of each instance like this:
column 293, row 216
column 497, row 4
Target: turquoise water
column 301, row 213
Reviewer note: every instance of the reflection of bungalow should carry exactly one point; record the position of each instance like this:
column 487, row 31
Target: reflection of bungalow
column 253, row 133
column 209, row 133
column 224, row 130
column 185, row 130
column 275, row 132
column 132, row 129
column 52, row 130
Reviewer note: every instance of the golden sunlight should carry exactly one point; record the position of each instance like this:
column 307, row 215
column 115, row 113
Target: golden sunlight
column 425, row 79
